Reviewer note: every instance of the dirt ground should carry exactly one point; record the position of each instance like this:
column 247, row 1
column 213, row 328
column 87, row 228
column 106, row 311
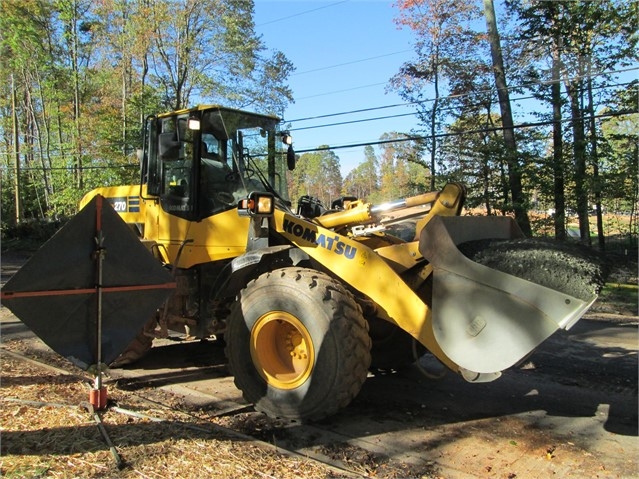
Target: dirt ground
column 47, row 430
column 400, row 426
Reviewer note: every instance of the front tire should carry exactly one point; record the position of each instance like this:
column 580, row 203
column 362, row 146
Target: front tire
column 297, row 344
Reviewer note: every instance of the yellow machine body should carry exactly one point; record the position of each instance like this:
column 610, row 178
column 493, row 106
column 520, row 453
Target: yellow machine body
column 213, row 207
column 216, row 238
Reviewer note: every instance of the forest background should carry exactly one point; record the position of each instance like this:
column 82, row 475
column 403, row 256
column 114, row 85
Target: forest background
column 79, row 77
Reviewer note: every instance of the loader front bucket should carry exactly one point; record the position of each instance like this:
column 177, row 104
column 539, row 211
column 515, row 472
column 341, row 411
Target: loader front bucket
column 483, row 319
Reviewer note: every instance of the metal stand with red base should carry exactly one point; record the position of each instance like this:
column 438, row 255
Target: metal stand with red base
column 98, row 395
column 98, row 398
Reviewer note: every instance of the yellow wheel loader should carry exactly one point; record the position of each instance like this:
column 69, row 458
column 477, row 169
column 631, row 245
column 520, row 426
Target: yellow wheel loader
column 307, row 300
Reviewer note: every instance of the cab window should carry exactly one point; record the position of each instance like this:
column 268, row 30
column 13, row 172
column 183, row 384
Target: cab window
column 175, row 148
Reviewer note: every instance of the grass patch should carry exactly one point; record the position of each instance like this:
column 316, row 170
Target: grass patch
column 624, row 296
column 27, row 471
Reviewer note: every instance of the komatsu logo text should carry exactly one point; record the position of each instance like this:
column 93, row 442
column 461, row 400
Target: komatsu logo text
column 331, row 243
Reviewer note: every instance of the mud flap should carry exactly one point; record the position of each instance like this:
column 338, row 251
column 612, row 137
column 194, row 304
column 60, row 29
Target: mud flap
column 485, row 320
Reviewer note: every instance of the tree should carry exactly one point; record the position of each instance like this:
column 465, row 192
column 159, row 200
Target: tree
column 557, row 140
column 620, row 154
column 389, row 176
column 208, row 48
column 362, row 181
column 582, row 42
column 27, row 55
column 514, row 172
column 443, row 34
column 87, row 73
column 318, row 175
column 451, row 53
column 403, row 172
column 77, row 24
column 126, row 43
column 475, row 157
column 16, row 154
column 604, row 29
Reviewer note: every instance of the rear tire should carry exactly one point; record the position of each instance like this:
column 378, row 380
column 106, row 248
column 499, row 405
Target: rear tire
column 297, row 344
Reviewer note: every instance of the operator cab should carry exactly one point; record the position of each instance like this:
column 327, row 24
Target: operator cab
column 202, row 161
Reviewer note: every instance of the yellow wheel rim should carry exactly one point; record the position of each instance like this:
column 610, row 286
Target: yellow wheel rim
column 282, row 350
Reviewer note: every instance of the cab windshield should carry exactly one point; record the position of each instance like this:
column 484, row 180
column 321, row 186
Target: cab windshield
column 240, row 153
column 205, row 160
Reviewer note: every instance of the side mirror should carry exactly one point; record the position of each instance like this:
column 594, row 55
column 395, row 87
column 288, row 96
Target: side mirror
column 290, row 158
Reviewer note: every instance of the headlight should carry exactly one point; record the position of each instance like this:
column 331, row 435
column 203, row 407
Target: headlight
column 257, row 204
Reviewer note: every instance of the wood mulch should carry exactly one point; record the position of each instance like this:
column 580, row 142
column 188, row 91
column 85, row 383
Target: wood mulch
column 47, row 430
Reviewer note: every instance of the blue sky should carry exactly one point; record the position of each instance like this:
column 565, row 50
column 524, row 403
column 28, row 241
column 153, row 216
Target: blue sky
column 345, row 53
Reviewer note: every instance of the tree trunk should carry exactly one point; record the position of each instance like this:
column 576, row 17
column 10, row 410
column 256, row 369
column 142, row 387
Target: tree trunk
column 635, row 196
column 486, row 182
column 558, row 146
column 145, row 71
column 514, row 174
column 595, row 162
column 579, row 149
column 123, row 111
column 126, row 66
column 47, row 165
column 433, row 124
column 43, row 181
column 75, row 67
column 16, row 153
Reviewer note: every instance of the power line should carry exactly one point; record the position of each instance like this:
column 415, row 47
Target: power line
column 301, row 13
column 387, row 117
column 371, row 143
column 350, row 122
column 400, row 115
column 461, row 133
column 363, row 110
column 349, row 63
column 380, row 142
column 339, row 91
column 461, row 95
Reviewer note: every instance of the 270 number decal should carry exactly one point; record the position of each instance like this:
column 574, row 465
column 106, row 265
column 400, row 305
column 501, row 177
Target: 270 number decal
column 119, row 204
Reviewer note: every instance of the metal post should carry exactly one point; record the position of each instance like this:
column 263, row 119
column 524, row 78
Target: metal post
column 100, row 251
column 98, row 395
